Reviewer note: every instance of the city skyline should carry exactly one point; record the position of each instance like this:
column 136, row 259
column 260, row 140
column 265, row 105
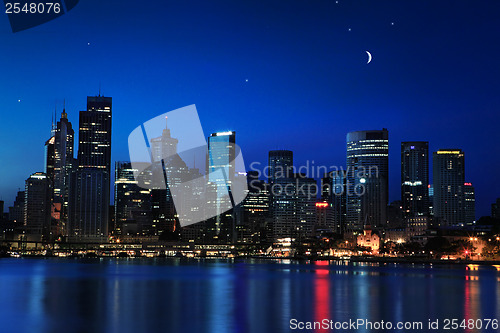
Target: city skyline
column 314, row 168
column 432, row 76
column 250, row 166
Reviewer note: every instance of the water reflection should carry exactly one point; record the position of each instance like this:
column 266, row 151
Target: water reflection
column 322, row 293
column 233, row 296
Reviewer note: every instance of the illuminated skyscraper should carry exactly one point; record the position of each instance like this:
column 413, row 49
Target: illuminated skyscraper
column 221, row 172
column 469, row 204
column 449, row 179
column 94, row 137
column 63, row 161
column 294, row 206
column 58, row 165
column 90, row 183
column 254, row 211
column 132, row 203
column 415, row 178
column 367, row 178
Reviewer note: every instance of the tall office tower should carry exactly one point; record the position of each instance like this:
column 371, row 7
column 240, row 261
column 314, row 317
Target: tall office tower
column 58, row 164
column 132, row 203
column 280, row 164
column 367, row 179
column 469, row 204
column 294, row 204
column 89, row 205
column 221, row 173
column 49, row 160
column 16, row 212
column 254, row 211
column 495, row 209
column 333, row 186
column 167, row 163
column 196, row 232
column 63, row 159
column 94, row 137
column 449, row 179
column 90, row 182
column 431, row 199
column 37, row 205
column 415, row 178
column 164, row 146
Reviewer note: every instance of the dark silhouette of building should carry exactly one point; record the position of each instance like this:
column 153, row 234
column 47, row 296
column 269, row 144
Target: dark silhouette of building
column 333, row 191
column 280, row 164
column 395, row 215
column 37, row 205
column 495, row 209
column 469, row 204
column 449, row 179
column 367, row 179
column 16, row 212
column 415, row 178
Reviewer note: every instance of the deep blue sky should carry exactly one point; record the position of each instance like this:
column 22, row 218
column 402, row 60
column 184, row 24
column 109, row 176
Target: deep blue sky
column 434, row 76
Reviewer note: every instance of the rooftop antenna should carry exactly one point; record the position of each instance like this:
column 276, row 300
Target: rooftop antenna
column 99, row 88
column 64, row 114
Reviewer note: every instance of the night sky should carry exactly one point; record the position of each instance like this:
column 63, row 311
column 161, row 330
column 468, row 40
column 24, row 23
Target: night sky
column 282, row 74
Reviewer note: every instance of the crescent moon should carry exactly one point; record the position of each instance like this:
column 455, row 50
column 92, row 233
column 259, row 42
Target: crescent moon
column 369, row 57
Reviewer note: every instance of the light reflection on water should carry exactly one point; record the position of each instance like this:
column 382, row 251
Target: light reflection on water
column 172, row 295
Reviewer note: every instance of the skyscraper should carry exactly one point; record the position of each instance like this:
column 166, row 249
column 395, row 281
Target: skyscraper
column 63, row 159
column 367, row 178
column 90, row 182
column 221, row 172
column 415, row 178
column 94, row 137
column 333, row 186
column 132, row 203
column 280, row 164
column 449, row 179
column 58, row 164
column 254, row 211
column 294, row 206
column 37, row 205
column 469, row 204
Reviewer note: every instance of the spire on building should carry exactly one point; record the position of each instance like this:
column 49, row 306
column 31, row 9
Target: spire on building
column 64, row 115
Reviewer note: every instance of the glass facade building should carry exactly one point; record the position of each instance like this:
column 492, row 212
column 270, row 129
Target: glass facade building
column 367, row 178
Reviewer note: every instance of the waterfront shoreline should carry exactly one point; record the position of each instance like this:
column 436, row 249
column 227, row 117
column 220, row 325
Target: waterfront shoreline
column 354, row 259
